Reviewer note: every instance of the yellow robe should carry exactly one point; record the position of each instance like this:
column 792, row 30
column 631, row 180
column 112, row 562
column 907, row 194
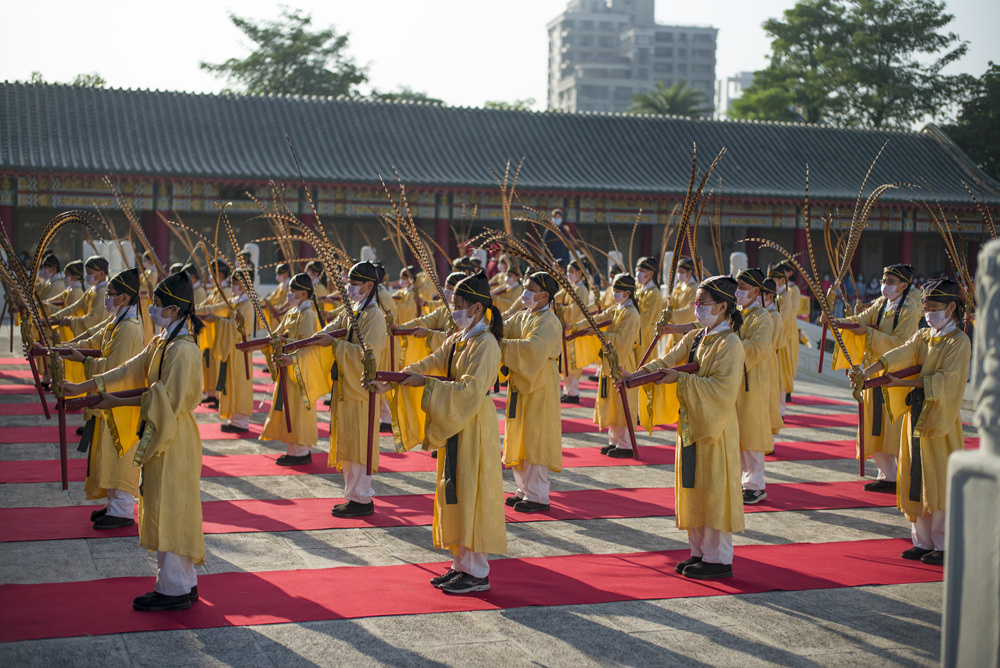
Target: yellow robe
column 349, row 402
column 238, row 394
column 170, row 504
column 392, row 356
column 74, row 370
column 87, row 312
column 408, row 417
column 148, row 283
column 50, row 288
column 621, row 334
column 464, row 408
column 865, row 349
column 308, row 379
column 107, row 467
column 425, row 288
column 708, row 423
column 214, row 304
column 406, row 304
column 277, row 300
column 682, row 309
column 532, row 343
column 795, row 299
column 508, row 297
column 569, row 313
column 657, row 403
column 938, row 431
column 774, row 372
column 788, row 353
column 754, row 400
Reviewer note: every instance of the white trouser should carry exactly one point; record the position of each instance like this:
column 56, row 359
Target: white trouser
column 240, row 420
column 618, row 437
column 572, row 385
column 712, row 545
column 886, row 464
column 781, row 405
column 175, row 574
column 476, row 564
column 297, row 450
column 121, row 504
column 752, row 465
column 384, row 414
column 532, row 482
column 357, row 483
column 928, row 531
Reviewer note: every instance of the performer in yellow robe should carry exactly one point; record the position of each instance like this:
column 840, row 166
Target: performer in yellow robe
column 72, row 292
column 425, row 288
column 276, row 303
column 934, row 428
column 707, row 494
column 569, row 314
column 88, row 311
column 327, row 302
column 753, row 401
column 430, row 331
column 775, row 396
column 169, row 449
column 789, row 299
column 110, row 471
column 150, row 278
column 214, row 304
column 406, row 297
column 657, row 404
column 349, row 405
column 462, row 427
column 236, row 400
column 681, row 311
column 50, row 283
column 891, row 320
column 307, row 378
column 621, row 334
column 531, row 346
column 509, row 292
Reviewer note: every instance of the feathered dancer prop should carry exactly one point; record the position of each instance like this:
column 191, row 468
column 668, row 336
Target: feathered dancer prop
column 715, row 230
column 135, row 225
column 537, row 259
column 956, row 256
column 691, row 200
column 507, row 194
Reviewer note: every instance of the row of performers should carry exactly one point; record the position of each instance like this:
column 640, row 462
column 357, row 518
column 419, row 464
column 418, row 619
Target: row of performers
column 444, row 405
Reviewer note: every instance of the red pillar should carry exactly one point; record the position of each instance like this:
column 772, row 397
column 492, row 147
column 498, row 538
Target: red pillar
column 906, row 247
column 7, row 220
column 442, row 234
column 158, row 234
column 646, row 240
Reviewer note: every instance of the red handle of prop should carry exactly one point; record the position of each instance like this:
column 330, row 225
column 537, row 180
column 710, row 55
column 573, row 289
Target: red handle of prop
column 252, row 344
column 38, row 351
column 38, row 387
column 371, row 433
column 305, row 343
column 89, row 401
column 623, row 395
column 399, row 376
column 884, row 380
column 283, row 388
column 649, row 350
column 585, row 332
column 822, row 347
column 647, row 378
column 63, row 456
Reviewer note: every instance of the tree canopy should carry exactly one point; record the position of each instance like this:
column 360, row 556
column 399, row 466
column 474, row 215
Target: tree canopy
column 867, row 63
column 677, row 100
column 290, row 58
column 523, row 105
column 405, row 94
column 977, row 130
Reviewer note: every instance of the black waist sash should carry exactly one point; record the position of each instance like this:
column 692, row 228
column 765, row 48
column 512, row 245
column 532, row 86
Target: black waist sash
column 87, row 439
column 689, row 451
column 915, row 400
column 451, row 455
column 220, row 386
column 878, row 402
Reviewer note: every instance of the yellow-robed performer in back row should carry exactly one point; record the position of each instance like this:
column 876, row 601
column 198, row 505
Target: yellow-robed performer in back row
column 707, row 493
column 462, row 428
column 531, row 346
column 582, row 351
column 169, row 449
column 236, row 399
column 111, row 433
column 931, row 414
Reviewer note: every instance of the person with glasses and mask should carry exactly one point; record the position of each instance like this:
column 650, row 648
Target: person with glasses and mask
column 111, row 435
column 708, row 494
column 889, row 322
column 88, row 311
column 931, row 414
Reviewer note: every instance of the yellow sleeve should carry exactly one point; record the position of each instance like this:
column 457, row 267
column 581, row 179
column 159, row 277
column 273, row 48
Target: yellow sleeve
column 539, row 340
column 909, row 319
column 350, row 356
column 676, row 356
column 311, row 364
column 944, row 389
column 170, row 397
column 902, row 357
column 95, row 315
column 129, row 375
column 125, row 343
column 226, row 335
column 69, row 309
column 712, row 388
column 756, row 336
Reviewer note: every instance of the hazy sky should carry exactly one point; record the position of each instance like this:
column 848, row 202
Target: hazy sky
column 462, row 51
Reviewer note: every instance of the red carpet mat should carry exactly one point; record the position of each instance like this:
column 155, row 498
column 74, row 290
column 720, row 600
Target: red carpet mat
column 273, row 597
column 255, row 515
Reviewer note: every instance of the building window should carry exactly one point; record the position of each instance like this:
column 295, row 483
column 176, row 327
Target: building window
column 682, row 53
column 701, row 53
column 586, row 25
column 607, row 42
column 664, row 52
column 701, row 37
column 682, row 68
column 701, row 69
column 663, row 67
column 664, row 37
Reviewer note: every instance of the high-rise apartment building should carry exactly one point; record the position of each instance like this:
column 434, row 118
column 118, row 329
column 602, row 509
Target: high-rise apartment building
column 601, row 52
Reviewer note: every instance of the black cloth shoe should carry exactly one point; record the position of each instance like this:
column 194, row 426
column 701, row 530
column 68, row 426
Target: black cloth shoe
column 681, row 565
column 79, row 431
column 606, row 449
column 567, row 399
column 385, row 426
column 341, row 506
column 233, row 429
column 112, row 522
column 193, row 594
column 752, row 496
column 465, row 584
column 157, row 602
column 934, row 558
column 706, row 570
column 788, row 397
column 99, row 513
column 530, row 507
column 621, row 453
column 884, row 486
column 593, row 379
column 212, row 404
column 434, row 454
column 442, row 579
column 289, row 460
column 208, row 400
column 326, row 402
column 355, row 509
column 915, row 553
column 513, row 500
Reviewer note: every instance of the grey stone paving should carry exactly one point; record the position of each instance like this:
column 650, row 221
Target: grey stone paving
column 882, row 625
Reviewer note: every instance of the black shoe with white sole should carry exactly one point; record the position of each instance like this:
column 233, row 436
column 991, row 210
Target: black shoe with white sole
column 681, row 565
column 354, row 509
column 621, row 453
column 157, row 602
column 884, row 486
column 705, row 570
column 99, row 513
column 465, row 584
column 513, row 500
column 567, row 399
column 752, row 496
column 445, row 577
column 934, row 558
column 289, row 460
column 915, row 553
column 530, row 507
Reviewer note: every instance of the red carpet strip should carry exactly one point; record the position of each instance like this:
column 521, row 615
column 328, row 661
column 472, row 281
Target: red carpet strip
column 256, row 515
column 273, row 597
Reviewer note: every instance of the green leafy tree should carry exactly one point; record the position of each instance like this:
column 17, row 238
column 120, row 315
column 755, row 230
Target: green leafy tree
column 291, row 59
column 872, row 63
column 766, row 104
column 677, row 100
column 977, row 131
column 90, row 80
column 405, row 94
column 523, row 105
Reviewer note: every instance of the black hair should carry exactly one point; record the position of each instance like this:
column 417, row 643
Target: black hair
column 177, row 290
column 283, row 268
column 97, row 263
column 75, row 267
column 723, row 289
column 546, row 283
column 626, row 283
column 192, row 270
column 945, row 291
column 317, row 266
column 453, row 278
column 476, row 289
column 903, row 272
column 755, row 277
column 51, row 260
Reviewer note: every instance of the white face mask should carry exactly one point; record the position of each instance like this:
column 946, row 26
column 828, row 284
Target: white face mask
column 404, row 283
column 743, row 297
column 512, row 281
column 643, row 276
column 462, row 319
column 890, row 291
column 502, row 268
column 557, row 220
column 448, row 292
column 703, row 314
column 620, row 297
column 937, row 319
column 292, row 300
column 109, row 304
column 528, row 298
column 156, row 315
column 781, row 288
column 91, row 280
column 354, row 292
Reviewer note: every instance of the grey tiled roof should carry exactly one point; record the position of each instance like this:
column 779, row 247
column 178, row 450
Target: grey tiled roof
column 51, row 128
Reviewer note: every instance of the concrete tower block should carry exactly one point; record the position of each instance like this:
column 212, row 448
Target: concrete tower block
column 971, row 630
